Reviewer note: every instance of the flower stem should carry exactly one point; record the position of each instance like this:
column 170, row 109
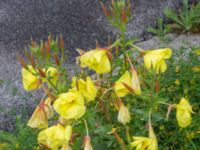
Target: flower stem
column 86, row 127
column 128, row 137
column 138, row 48
column 119, row 139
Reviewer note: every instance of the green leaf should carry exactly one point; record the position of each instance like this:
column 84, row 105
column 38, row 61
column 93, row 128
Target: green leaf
column 8, row 137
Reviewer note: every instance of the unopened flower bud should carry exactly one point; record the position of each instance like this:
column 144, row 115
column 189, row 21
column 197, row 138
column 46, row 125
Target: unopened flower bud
column 87, row 143
column 123, row 115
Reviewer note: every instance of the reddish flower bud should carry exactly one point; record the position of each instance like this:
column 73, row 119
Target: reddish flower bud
column 55, row 56
column 22, row 61
column 105, row 10
column 123, row 16
column 62, row 46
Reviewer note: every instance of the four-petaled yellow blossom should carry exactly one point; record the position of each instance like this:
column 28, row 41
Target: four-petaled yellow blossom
column 146, row 143
column 29, row 79
column 55, row 136
column 70, row 105
column 156, row 59
column 124, row 116
column 127, row 83
column 96, row 60
column 87, row 88
column 183, row 113
column 40, row 116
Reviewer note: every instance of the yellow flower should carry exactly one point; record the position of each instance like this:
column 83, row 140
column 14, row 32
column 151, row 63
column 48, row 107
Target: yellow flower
column 3, row 145
column 123, row 116
column 197, row 52
column 156, row 59
column 96, row 60
column 183, row 113
column 39, row 118
column 55, row 136
column 145, row 143
column 196, row 69
column 52, row 74
column 141, row 143
column 70, row 105
column 127, row 83
column 87, row 88
column 177, row 82
column 30, row 81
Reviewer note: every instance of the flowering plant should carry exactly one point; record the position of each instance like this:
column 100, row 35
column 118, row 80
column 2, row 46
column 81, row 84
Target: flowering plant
column 117, row 104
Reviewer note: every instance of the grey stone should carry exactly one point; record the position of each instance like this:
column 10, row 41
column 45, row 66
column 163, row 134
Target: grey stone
column 174, row 41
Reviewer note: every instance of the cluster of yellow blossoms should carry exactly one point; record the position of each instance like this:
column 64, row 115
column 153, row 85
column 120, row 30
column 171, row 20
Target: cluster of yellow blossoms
column 71, row 105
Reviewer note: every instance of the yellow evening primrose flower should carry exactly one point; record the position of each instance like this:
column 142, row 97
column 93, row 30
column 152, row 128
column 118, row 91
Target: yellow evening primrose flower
column 70, row 105
column 124, row 116
column 183, row 113
column 145, row 143
column 156, row 59
column 30, row 81
column 96, row 60
column 40, row 116
column 87, row 88
column 127, row 83
column 55, row 137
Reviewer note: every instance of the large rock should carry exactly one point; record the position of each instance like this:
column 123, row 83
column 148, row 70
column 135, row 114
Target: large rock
column 80, row 21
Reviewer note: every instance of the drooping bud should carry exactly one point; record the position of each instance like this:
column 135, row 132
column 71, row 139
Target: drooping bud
column 39, row 118
column 87, row 143
column 123, row 115
column 135, row 82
